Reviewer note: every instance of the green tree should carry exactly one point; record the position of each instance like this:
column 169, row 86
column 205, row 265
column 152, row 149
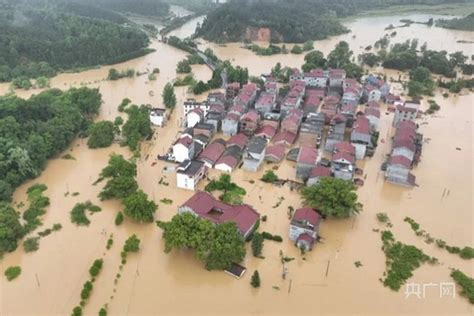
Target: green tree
column 297, row 50
column 226, row 247
column 12, row 273
column 119, row 218
column 132, row 244
column 169, row 98
column 101, row 134
column 257, row 244
column 139, row 208
column 137, row 127
column 332, row 197
column 183, row 67
column 255, row 280
column 340, row 56
column 10, row 228
column 308, row 45
column 269, row 177
column 42, row 82
column 313, row 60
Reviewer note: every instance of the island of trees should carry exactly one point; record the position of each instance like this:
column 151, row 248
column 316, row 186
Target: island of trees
column 466, row 23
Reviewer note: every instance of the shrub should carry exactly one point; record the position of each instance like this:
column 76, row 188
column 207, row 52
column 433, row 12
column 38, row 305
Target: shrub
column 31, row 244
column 103, row 312
column 119, row 218
column 77, row 311
column 257, row 244
column 255, row 281
column 269, row 177
column 96, row 267
column 132, row 244
column 12, row 273
column 467, row 253
column 78, row 213
column 86, row 290
column 382, row 217
column 466, row 283
column 110, row 242
column 269, row 236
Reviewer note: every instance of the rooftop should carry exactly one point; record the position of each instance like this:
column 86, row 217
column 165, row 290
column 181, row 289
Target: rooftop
column 306, row 217
column 307, row 155
column 208, row 207
column 189, row 167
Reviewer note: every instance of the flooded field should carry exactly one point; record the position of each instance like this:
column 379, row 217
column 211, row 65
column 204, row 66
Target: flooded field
column 326, row 283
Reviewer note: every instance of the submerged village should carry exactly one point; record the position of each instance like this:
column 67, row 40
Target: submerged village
column 324, row 123
column 224, row 177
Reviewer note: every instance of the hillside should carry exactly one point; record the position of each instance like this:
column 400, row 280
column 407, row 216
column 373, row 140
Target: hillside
column 465, row 24
column 287, row 21
column 35, row 42
column 290, row 20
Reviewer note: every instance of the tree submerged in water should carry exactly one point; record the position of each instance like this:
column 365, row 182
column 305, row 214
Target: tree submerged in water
column 231, row 192
column 332, row 197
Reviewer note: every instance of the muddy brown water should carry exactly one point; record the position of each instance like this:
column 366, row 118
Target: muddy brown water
column 327, row 282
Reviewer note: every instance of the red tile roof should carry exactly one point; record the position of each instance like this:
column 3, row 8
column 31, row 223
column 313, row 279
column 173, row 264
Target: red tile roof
column 372, row 111
column 320, row 171
column 373, row 104
column 232, row 116
column 186, row 141
column 400, row 160
column 230, row 161
column 345, row 147
column 208, row 207
column 307, row 214
column 268, row 131
column 250, row 116
column 362, row 125
column 305, row 237
column 239, row 140
column 276, row 151
column 343, row 155
column 307, row 155
column 404, row 142
column 212, row 152
column 284, row 137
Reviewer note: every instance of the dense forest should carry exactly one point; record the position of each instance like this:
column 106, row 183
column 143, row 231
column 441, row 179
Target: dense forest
column 465, row 24
column 289, row 20
column 33, row 130
column 37, row 41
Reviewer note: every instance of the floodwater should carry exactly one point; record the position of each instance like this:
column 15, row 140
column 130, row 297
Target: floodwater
column 326, row 283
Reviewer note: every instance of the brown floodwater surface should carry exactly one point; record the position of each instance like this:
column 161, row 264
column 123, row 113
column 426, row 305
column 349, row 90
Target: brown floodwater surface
column 326, row 283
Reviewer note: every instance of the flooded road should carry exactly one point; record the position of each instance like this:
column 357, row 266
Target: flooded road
column 326, row 283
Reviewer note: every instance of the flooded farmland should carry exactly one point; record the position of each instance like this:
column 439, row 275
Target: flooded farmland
column 326, row 283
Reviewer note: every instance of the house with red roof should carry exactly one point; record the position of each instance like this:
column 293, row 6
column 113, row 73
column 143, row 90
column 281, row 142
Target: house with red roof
column 361, row 137
column 398, row 171
column 239, row 140
column 372, row 93
column 189, row 173
column 191, row 104
column 317, row 173
column 330, row 107
column 337, row 129
column 312, row 129
column 266, row 131
column 304, row 228
column 229, row 160
column 292, row 121
column 231, row 90
column 373, row 115
column 285, row 138
column 211, row 154
column 274, row 153
column 249, row 122
column 265, row 103
column 407, row 111
column 306, row 161
column 205, row 206
column 246, row 97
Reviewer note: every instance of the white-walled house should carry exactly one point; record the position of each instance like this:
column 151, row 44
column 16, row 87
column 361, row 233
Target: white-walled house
column 158, row 117
column 254, row 154
column 189, row 173
column 194, row 117
column 183, row 149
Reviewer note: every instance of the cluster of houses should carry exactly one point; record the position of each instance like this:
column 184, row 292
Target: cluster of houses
column 406, row 145
column 262, row 126
column 304, row 226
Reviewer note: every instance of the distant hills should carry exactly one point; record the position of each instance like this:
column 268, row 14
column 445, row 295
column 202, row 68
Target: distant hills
column 465, row 24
